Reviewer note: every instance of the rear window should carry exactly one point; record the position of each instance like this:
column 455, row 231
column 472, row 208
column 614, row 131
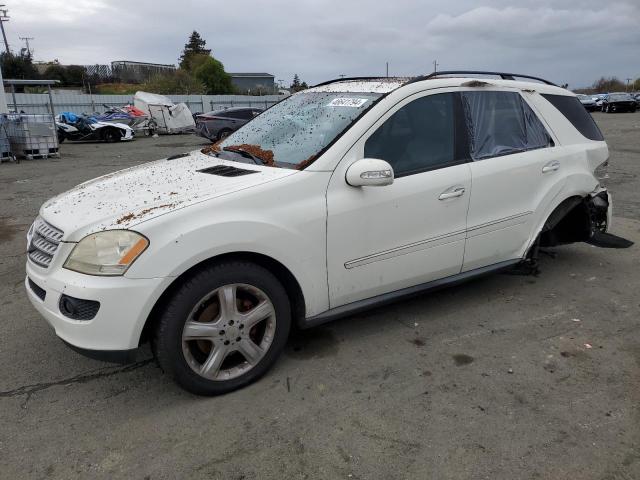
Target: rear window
column 573, row 110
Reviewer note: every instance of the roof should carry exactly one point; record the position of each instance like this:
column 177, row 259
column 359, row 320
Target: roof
column 20, row 81
column 385, row 85
column 132, row 62
column 372, row 85
column 251, row 75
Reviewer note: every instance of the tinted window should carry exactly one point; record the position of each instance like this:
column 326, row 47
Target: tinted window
column 571, row 108
column 501, row 123
column 241, row 114
column 418, row 137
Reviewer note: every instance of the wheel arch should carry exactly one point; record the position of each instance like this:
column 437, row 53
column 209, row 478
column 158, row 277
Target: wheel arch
column 282, row 273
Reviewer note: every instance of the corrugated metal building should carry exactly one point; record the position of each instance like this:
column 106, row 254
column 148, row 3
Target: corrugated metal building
column 255, row 83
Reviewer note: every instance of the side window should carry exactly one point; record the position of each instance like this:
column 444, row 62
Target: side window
column 501, row 123
column 237, row 114
column 418, row 137
column 582, row 120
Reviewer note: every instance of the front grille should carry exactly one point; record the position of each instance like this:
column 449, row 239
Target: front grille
column 40, row 292
column 77, row 308
column 44, row 242
column 227, row 171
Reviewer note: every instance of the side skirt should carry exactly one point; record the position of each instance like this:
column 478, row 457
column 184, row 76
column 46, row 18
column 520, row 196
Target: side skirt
column 386, row 298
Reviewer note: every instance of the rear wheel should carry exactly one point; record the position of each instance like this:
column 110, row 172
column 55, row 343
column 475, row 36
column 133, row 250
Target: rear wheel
column 223, row 328
column 111, row 135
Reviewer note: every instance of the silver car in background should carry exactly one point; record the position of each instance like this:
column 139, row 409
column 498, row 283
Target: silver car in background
column 219, row 124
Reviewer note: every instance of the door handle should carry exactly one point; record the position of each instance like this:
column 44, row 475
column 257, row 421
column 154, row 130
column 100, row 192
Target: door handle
column 452, row 193
column 551, row 166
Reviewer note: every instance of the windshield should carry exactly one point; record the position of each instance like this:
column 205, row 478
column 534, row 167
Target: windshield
column 293, row 132
column 619, row 96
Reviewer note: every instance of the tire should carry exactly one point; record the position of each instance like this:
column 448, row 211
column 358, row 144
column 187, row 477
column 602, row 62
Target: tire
column 111, row 135
column 224, row 133
column 61, row 137
column 212, row 359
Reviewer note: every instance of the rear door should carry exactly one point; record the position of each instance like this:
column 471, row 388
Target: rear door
column 515, row 170
column 382, row 239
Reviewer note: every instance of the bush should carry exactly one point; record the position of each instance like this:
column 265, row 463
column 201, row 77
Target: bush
column 178, row 82
column 116, row 89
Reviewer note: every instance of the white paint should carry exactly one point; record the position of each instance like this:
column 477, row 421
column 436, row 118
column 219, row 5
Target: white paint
column 342, row 243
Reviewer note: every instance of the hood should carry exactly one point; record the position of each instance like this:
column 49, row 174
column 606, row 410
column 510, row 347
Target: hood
column 128, row 197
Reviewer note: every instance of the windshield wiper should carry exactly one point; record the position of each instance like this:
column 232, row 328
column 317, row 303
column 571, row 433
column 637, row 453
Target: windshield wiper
column 245, row 154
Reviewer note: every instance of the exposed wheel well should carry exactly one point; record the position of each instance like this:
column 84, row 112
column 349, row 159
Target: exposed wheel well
column 283, row 274
column 570, row 222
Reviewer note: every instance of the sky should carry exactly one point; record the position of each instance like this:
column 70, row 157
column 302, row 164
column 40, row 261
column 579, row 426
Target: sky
column 565, row 41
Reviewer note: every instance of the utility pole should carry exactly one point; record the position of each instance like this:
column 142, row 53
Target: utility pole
column 435, row 66
column 26, row 40
column 4, row 18
column 628, row 80
column 387, row 69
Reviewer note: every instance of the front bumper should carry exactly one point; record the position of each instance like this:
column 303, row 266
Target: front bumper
column 125, row 305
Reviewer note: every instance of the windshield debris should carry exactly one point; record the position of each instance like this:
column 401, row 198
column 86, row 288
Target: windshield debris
column 255, row 150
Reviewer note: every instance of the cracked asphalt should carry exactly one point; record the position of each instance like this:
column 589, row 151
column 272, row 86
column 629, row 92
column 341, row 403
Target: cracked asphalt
column 508, row 377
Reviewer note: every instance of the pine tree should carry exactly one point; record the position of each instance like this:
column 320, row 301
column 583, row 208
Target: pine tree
column 296, row 85
column 194, row 46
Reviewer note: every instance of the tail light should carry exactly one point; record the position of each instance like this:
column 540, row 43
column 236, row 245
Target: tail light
column 602, row 171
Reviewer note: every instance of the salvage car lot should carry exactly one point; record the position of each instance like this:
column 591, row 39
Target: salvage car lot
column 506, row 377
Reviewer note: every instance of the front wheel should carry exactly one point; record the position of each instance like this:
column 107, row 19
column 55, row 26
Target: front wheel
column 223, row 328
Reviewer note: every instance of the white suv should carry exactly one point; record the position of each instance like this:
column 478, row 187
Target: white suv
column 339, row 198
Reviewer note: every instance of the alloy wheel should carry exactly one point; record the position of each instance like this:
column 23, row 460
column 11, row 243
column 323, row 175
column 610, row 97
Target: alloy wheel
column 228, row 331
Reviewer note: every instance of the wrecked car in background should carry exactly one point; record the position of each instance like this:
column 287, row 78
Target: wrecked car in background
column 220, row 124
column 345, row 196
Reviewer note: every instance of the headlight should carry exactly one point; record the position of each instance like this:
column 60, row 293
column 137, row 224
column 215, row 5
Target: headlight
column 106, row 253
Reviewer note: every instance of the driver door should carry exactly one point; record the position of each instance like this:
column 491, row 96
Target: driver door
column 382, row 239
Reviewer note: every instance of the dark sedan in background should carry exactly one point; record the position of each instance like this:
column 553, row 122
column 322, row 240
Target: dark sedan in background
column 219, row 124
column 619, row 102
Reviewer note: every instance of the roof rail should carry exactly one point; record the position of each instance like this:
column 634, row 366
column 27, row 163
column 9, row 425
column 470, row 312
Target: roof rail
column 502, row 75
column 344, row 79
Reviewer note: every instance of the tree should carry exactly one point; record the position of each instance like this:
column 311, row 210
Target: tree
column 611, row 84
column 297, row 85
column 210, row 72
column 17, row 66
column 175, row 82
column 636, row 85
column 56, row 72
column 194, row 46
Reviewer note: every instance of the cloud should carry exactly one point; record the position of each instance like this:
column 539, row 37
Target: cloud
column 566, row 40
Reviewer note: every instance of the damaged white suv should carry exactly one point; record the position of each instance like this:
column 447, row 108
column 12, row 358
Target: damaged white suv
column 342, row 197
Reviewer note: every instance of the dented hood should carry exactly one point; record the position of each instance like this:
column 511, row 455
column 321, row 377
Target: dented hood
column 128, row 197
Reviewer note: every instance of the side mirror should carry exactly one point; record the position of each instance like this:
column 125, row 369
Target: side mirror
column 369, row 172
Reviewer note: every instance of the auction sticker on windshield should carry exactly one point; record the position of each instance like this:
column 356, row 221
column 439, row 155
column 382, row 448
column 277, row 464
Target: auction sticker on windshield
column 347, row 102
